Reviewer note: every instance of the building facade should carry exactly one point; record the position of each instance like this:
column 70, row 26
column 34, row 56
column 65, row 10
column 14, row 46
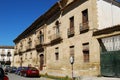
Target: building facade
column 66, row 30
column 7, row 55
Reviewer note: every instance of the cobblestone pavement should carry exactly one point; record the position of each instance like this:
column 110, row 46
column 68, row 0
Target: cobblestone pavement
column 17, row 77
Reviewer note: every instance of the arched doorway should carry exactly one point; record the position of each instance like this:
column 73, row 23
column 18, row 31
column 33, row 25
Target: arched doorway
column 41, row 61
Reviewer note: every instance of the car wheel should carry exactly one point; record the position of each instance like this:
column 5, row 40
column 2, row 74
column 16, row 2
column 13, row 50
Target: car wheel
column 20, row 74
column 25, row 75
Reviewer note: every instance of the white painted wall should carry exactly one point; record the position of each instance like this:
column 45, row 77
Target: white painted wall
column 112, row 43
column 5, row 57
column 108, row 14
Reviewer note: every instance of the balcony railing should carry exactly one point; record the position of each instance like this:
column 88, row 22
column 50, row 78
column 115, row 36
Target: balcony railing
column 15, row 54
column 71, row 32
column 84, row 27
column 56, row 38
column 39, row 46
column 28, row 47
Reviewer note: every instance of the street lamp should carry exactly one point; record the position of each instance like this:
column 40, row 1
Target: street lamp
column 72, row 62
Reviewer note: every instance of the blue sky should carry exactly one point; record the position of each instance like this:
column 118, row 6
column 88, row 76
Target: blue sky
column 17, row 15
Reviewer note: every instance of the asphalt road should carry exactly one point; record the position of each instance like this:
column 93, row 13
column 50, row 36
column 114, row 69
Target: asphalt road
column 17, row 77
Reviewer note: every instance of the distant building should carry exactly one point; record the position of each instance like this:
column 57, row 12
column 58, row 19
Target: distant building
column 77, row 28
column 6, row 55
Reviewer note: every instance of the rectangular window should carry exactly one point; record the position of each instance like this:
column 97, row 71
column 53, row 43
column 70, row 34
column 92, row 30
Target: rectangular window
column 71, row 22
column 71, row 51
column 41, row 38
column 57, row 27
column 30, row 43
column 84, row 26
column 57, row 53
column 86, row 52
column 85, row 16
column 30, row 55
column 26, row 56
column 71, row 28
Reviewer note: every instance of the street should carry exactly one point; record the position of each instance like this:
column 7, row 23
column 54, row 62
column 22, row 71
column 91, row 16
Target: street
column 17, row 77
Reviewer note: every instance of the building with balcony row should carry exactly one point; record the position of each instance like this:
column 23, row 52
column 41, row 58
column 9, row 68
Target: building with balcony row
column 82, row 29
column 6, row 55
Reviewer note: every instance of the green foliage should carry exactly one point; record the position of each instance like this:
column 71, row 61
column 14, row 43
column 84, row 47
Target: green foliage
column 55, row 77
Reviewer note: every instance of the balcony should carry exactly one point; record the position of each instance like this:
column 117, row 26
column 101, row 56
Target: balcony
column 56, row 38
column 39, row 46
column 71, row 32
column 19, row 52
column 15, row 54
column 84, row 27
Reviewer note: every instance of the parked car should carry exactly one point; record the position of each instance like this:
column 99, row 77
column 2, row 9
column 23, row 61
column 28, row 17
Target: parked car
column 2, row 75
column 6, row 68
column 29, row 72
column 12, row 69
column 18, row 70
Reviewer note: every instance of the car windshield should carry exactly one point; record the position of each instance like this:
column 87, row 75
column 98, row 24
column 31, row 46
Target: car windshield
column 14, row 68
column 32, row 68
column 25, row 68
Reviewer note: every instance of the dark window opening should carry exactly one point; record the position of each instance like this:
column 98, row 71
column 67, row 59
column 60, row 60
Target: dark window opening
column 71, row 28
column 57, row 27
column 57, row 56
column 85, row 16
column 71, row 22
column 30, row 42
column 86, row 52
column 71, row 51
column 86, row 56
column 84, row 27
column 41, row 37
column 56, row 53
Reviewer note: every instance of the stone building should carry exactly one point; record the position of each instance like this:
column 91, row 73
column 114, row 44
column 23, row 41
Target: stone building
column 68, row 28
column 7, row 55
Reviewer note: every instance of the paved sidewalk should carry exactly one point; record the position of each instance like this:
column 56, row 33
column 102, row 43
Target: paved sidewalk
column 98, row 78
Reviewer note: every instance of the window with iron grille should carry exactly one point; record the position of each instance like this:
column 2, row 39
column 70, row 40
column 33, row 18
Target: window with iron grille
column 71, row 51
column 57, row 53
column 86, row 52
column 30, row 42
column 57, row 27
column 84, row 27
column 71, row 22
column 41, row 37
column 85, row 16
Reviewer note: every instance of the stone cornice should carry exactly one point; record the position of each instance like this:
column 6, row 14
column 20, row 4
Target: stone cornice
column 6, row 47
column 107, row 30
